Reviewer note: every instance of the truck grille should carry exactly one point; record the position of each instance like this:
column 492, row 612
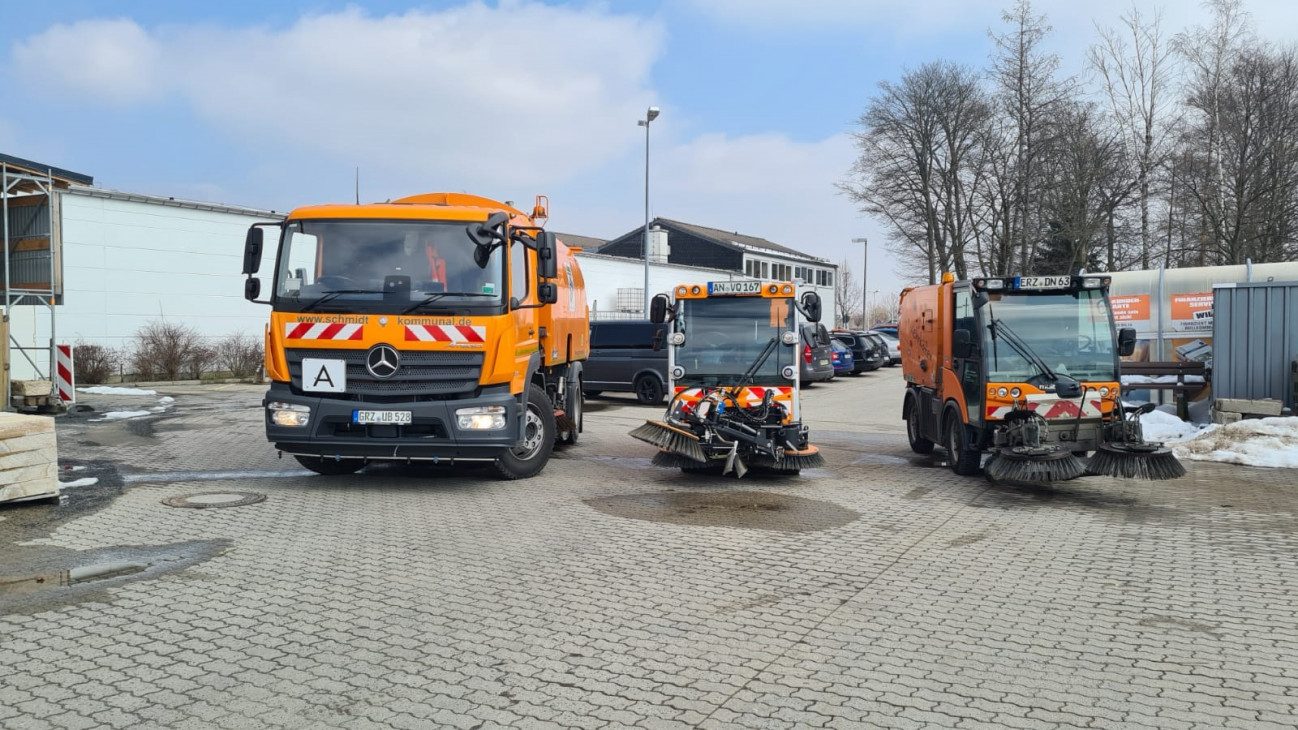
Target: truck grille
column 434, row 375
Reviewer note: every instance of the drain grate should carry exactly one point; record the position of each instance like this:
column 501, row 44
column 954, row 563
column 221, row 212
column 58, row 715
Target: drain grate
column 212, row 500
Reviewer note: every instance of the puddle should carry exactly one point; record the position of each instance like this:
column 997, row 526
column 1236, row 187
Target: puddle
column 749, row 510
column 43, row 577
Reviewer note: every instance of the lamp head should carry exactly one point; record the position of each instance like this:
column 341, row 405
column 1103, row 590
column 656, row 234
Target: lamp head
column 652, row 114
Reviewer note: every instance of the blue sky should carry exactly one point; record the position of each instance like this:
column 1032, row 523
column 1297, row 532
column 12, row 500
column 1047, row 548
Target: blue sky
column 274, row 104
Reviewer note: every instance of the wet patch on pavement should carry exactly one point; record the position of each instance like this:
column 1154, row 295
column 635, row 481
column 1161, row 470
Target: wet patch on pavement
column 743, row 509
column 44, row 577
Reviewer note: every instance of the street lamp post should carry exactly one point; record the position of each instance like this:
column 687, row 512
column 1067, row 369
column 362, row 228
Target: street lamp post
column 865, row 279
column 650, row 115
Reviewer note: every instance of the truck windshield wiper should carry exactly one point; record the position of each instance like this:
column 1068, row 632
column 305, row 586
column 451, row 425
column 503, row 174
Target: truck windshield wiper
column 999, row 328
column 751, row 372
column 334, row 294
column 441, row 294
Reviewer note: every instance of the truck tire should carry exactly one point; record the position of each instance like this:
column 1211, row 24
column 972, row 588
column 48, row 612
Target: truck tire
column 528, row 459
column 918, row 443
column 330, row 467
column 574, row 409
column 964, row 461
column 648, row 390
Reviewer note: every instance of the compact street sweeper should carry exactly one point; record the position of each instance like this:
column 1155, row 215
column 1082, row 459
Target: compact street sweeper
column 1027, row 368
column 734, row 375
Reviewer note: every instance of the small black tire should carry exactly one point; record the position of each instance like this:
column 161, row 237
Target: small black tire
column 574, row 410
column 538, row 435
column 918, row 443
column 330, row 467
column 648, row 390
column 964, row 461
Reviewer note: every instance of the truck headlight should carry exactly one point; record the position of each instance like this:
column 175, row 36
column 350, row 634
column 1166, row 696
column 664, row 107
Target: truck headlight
column 678, row 372
column 480, row 418
column 678, row 338
column 289, row 414
column 789, row 337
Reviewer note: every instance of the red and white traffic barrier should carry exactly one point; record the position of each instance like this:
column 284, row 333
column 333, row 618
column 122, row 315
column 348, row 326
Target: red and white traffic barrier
column 64, row 386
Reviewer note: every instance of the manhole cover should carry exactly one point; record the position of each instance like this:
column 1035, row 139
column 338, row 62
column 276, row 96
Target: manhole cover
column 210, row 500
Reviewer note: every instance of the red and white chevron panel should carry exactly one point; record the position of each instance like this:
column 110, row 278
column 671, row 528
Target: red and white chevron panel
column 753, row 396
column 63, row 374
column 1048, row 406
column 323, row 331
column 445, row 333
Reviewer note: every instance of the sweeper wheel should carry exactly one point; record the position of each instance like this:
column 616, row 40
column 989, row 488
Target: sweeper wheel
column 964, row 461
column 918, row 443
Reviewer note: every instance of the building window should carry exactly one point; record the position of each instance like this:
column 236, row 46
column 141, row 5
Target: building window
column 829, row 278
column 765, row 270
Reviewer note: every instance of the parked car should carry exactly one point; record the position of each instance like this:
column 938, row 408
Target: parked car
column 888, row 329
column 841, row 357
column 816, row 364
column 627, row 357
column 867, row 353
column 894, row 345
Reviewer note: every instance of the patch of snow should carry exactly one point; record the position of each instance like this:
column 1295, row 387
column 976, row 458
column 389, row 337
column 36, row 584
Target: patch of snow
column 86, row 482
column 108, row 390
column 166, row 400
column 119, row 415
column 1271, row 442
column 1152, row 379
column 1159, row 425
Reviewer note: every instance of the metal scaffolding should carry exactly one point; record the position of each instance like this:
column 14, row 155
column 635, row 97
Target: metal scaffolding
column 32, row 263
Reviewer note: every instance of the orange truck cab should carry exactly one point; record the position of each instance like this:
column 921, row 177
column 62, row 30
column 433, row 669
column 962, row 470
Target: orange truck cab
column 1010, row 363
column 438, row 327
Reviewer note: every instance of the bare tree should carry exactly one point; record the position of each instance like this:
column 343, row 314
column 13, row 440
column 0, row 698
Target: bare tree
column 1137, row 68
column 1029, row 95
column 847, row 293
column 917, row 169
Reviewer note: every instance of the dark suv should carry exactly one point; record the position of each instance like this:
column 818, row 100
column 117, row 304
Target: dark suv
column 627, row 357
column 816, row 361
column 866, row 352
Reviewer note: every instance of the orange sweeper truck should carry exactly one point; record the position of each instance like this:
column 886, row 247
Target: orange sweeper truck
column 441, row 327
column 1025, row 367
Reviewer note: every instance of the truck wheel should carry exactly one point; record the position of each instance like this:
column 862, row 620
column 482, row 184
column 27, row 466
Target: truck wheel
column 530, row 456
column 964, row 461
column 574, row 412
column 330, row 467
column 648, row 390
column 918, row 444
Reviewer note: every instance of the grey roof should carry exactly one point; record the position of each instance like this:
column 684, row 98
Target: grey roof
column 40, row 168
column 173, row 202
column 738, row 240
column 586, row 243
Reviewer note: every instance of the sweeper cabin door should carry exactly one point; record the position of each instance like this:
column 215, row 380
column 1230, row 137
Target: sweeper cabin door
column 966, row 359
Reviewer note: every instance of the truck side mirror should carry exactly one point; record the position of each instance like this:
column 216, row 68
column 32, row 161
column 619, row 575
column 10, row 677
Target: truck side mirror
column 547, row 292
column 961, row 346
column 658, row 309
column 547, row 255
column 251, row 288
column 1126, row 341
column 811, row 306
column 252, row 246
column 486, row 235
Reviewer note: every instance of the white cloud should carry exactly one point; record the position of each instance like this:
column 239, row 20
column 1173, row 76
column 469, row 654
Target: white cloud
column 517, row 93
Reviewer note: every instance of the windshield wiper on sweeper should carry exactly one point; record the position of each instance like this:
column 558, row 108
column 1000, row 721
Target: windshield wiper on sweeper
column 439, row 295
column 998, row 328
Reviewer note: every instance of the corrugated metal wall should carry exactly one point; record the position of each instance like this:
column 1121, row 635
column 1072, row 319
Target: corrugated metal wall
column 1255, row 340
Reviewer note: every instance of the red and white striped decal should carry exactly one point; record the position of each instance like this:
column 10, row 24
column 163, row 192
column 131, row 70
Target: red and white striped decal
column 63, row 379
column 323, row 331
column 445, row 333
column 1048, row 406
column 754, row 396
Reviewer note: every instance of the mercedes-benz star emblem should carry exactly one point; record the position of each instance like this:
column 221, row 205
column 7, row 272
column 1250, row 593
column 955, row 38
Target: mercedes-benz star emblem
column 382, row 361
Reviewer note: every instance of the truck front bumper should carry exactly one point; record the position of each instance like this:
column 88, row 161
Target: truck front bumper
column 433, row 434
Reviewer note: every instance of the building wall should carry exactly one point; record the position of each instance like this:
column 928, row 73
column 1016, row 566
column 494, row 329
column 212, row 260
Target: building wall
column 129, row 262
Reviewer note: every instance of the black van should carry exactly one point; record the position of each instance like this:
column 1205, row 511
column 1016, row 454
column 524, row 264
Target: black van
column 627, row 356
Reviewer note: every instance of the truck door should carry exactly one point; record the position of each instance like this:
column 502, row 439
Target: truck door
column 969, row 368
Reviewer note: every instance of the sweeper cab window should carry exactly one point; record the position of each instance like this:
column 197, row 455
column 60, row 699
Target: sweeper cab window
column 1071, row 331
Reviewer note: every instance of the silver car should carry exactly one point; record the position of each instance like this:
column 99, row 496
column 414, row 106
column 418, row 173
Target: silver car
column 894, row 346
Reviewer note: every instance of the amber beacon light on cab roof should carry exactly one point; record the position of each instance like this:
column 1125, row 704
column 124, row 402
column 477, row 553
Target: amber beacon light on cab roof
column 438, row 327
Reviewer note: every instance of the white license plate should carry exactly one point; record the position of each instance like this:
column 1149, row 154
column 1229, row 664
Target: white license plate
column 734, row 287
column 1045, row 282
column 824, row 362
column 393, row 417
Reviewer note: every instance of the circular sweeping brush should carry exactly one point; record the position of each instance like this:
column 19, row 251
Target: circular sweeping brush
column 670, row 438
column 1135, row 461
column 1032, row 465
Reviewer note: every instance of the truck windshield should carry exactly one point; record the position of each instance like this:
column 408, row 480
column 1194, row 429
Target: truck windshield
column 374, row 265
column 1071, row 332
column 724, row 336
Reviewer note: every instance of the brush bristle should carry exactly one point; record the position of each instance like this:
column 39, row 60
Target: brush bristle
column 1014, row 469
column 670, row 438
column 564, row 422
column 1155, row 464
column 673, row 460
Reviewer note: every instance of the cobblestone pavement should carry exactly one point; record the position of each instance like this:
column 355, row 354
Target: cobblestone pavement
column 880, row 591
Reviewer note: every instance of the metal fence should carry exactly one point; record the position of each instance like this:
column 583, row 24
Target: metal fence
column 1255, row 340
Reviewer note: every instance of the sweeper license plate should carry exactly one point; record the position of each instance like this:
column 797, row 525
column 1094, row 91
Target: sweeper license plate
column 393, row 417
